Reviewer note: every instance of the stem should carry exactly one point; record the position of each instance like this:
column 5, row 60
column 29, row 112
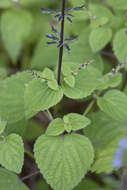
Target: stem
column 90, row 106
column 29, row 154
column 50, row 115
column 61, row 43
column 29, row 176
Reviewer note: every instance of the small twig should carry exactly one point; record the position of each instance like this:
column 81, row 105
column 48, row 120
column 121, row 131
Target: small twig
column 29, row 175
column 108, row 54
column 61, row 43
column 90, row 106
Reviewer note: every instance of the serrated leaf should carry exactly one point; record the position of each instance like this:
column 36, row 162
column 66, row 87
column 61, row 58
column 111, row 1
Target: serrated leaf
column 63, row 160
column 55, row 128
column 67, row 124
column 99, row 38
column 19, row 23
column 2, row 126
column 70, row 80
column 118, row 4
column 120, row 45
column 10, row 181
column 12, row 153
column 38, row 96
column 114, row 104
column 86, row 81
column 77, row 121
column 12, row 97
column 53, row 85
column 104, row 133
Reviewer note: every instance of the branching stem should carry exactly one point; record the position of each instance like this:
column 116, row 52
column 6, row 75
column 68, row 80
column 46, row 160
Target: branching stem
column 61, row 43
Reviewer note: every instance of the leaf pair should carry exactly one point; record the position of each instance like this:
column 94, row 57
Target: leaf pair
column 70, row 122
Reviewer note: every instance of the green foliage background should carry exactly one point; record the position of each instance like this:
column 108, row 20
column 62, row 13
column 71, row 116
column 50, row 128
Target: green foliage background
column 92, row 102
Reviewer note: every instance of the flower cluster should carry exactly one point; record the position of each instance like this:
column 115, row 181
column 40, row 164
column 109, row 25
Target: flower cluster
column 117, row 162
column 55, row 37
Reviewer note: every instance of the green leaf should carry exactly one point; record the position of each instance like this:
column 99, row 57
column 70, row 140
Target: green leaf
column 120, row 45
column 2, row 126
column 6, row 3
column 33, row 130
column 100, row 11
column 75, row 3
column 12, row 97
column 81, row 51
column 70, row 80
column 10, row 181
column 53, row 85
column 42, row 185
column 108, row 81
column 86, row 81
column 67, row 124
column 88, row 185
column 12, row 152
column 42, row 53
column 77, row 121
column 48, row 74
column 118, row 4
column 114, row 104
column 63, row 160
column 99, row 38
column 99, row 22
column 17, row 128
column 55, row 128
column 38, row 96
column 104, row 133
column 19, row 23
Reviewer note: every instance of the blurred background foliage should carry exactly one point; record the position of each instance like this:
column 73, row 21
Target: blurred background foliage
column 101, row 29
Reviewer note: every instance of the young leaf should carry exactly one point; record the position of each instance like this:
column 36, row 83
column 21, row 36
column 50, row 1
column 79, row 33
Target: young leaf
column 12, row 152
column 2, row 126
column 114, row 104
column 77, row 121
column 120, row 45
column 70, row 80
column 55, row 128
column 108, row 81
column 63, row 160
column 38, row 96
column 104, row 133
column 16, row 22
column 48, row 74
column 99, row 38
column 10, row 181
column 12, row 97
column 86, row 81
column 53, row 85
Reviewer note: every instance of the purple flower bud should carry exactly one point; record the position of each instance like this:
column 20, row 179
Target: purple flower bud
column 123, row 143
column 117, row 163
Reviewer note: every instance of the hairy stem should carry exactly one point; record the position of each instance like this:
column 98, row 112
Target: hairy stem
column 61, row 44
